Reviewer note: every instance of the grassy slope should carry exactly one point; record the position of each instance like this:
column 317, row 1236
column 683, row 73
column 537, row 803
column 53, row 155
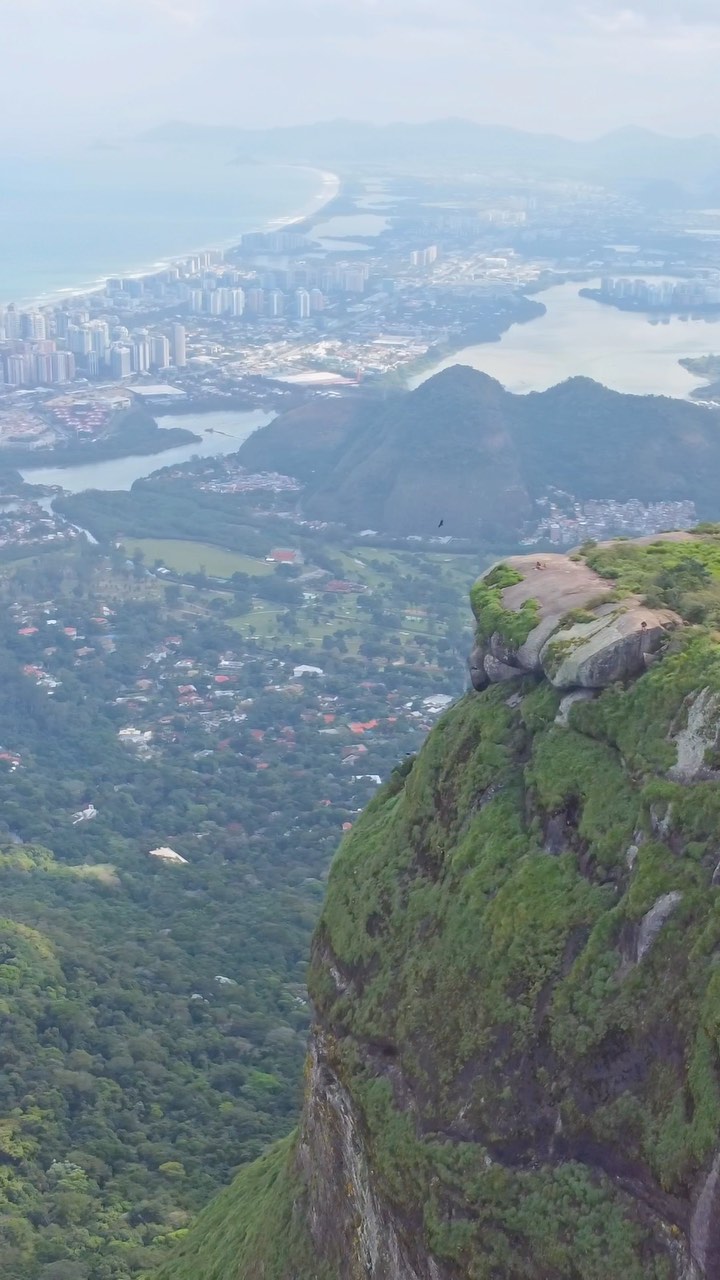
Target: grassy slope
column 496, row 974
column 192, row 557
column 249, row 1230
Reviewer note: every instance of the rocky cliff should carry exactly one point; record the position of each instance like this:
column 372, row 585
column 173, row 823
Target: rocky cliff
column 514, row 1072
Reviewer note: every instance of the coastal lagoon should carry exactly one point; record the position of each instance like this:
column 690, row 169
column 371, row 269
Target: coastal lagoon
column 68, row 223
column 333, row 229
column 220, row 433
column 577, row 336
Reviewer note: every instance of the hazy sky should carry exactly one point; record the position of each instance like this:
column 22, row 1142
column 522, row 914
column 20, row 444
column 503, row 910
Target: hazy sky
column 88, row 68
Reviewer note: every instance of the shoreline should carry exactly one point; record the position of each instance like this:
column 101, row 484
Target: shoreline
column 331, row 186
column 412, row 374
column 658, row 314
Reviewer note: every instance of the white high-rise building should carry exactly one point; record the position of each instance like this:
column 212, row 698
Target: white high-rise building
column 178, row 346
column 275, row 303
column 302, row 304
column 255, row 301
column 36, row 326
column 12, row 325
column 120, row 361
column 43, row 369
column 141, row 355
column 100, row 337
column 79, row 339
column 63, row 366
column 62, row 322
column 159, row 351
column 353, row 279
column 15, row 371
column 236, row 301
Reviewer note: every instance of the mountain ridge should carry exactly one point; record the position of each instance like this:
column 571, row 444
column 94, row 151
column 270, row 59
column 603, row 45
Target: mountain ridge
column 463, row 449
column 628, row 156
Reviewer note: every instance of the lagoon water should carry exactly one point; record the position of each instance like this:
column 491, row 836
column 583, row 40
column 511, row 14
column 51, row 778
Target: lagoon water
column 66, row 223
column 621, row 349
column 221, row 433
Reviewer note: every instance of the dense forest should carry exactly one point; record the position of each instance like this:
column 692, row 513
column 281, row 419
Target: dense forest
column 153, row 1017
column 153, row 508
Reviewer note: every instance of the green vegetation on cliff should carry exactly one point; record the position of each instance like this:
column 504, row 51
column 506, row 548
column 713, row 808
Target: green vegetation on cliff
column 490, row 614
column 517, row 1060
column 683, row 574
column 253, row 1218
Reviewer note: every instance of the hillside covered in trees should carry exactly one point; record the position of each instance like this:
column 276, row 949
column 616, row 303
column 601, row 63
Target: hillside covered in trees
column 461, row 449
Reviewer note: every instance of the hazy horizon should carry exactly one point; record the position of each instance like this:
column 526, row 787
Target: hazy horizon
column 74, row 74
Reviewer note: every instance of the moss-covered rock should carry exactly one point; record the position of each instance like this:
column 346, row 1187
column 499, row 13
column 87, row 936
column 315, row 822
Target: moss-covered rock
column 557, row 616
column 515, row 1069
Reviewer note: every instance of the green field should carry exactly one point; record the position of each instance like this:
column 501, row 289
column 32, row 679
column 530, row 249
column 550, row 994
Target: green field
column 192, row 557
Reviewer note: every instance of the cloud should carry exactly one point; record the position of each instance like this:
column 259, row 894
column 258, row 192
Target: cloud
column 569, row 65
column 184, row 15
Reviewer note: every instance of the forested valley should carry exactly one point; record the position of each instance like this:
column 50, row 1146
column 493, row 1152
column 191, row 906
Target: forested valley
column 153, row 1013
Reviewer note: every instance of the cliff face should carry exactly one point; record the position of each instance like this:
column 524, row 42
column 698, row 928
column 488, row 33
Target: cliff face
column 515, row 1069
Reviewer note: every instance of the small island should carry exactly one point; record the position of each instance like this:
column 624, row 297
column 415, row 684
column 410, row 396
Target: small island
column 126, row 432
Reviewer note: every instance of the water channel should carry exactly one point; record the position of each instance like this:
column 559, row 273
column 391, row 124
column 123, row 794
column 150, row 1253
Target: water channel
column 220, row 433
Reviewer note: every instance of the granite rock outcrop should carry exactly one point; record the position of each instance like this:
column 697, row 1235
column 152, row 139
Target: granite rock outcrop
column 579, row 632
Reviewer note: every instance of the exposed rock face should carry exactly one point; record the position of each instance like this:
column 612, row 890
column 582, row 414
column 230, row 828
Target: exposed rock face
column 478, row 675
column 705, row 1224
column 497, row 671
column 653, row 922
column 611, row 640
column 593, row 655
column 577, row 695
column 351, row 1227
column 697, row 738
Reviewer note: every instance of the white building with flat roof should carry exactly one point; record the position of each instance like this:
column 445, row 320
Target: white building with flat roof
column 164, row 854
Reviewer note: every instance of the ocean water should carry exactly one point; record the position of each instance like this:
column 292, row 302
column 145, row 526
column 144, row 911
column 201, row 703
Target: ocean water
column 67, row 222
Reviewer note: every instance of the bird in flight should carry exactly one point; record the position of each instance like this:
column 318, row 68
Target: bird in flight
column 441, row 524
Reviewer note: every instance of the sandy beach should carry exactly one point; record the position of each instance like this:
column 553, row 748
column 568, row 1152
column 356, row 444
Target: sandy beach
column 328, row 187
